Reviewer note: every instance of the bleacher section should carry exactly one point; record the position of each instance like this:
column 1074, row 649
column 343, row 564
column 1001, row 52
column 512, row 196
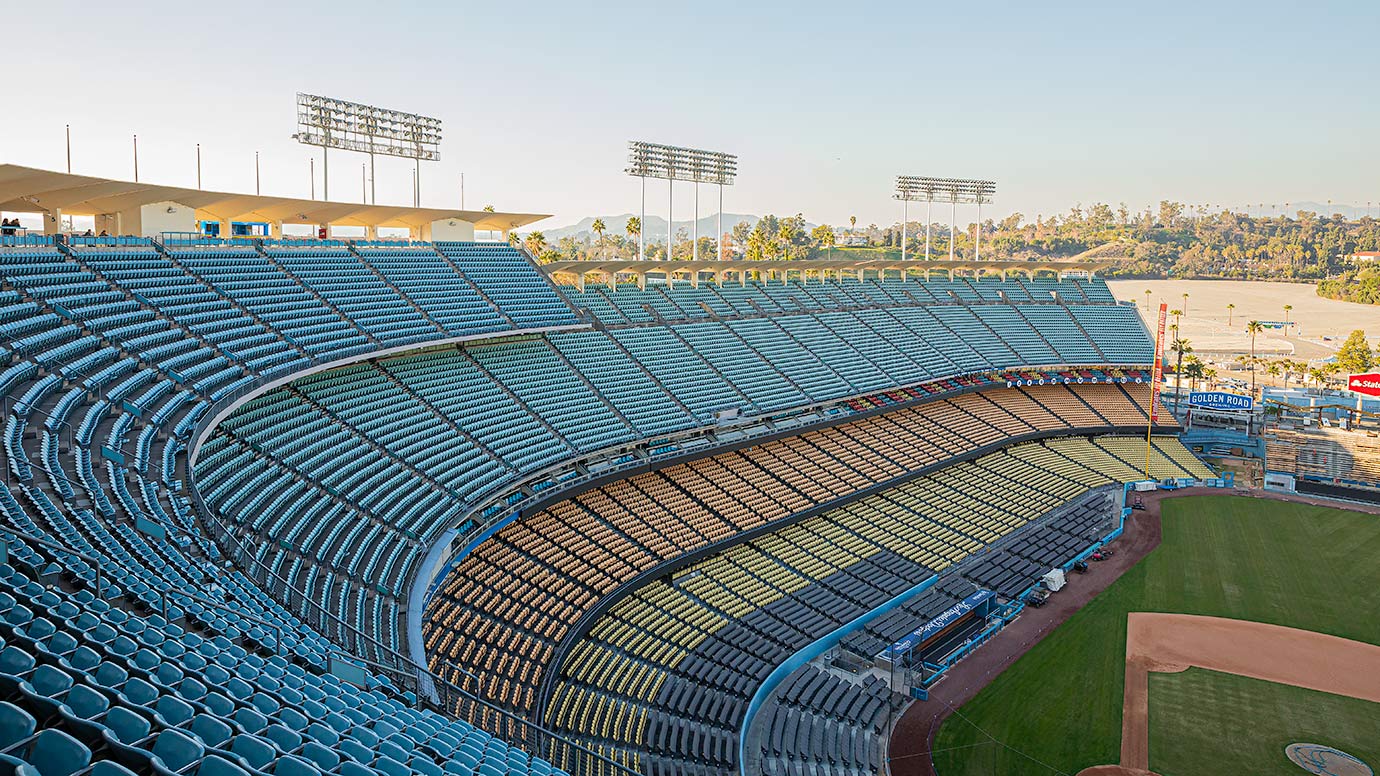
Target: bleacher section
column 126, row 634
column 527, row 585
column 629, row 304
column 181, row 597
column 458, row 424
column 663, row 679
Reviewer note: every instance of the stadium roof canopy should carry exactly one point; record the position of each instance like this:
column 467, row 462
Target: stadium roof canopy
column 31, row 190
column 742, row 268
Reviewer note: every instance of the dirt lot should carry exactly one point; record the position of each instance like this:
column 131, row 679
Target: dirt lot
column 1206, row 327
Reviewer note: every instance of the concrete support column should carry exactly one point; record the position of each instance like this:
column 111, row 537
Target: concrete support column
column 52, row 221
column 371, row 233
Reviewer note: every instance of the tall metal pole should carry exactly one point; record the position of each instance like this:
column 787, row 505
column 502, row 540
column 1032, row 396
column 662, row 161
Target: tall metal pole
column 904, row 212
column 642, row 224
column 695, row 227
column 256, row 173
column 69, row 151
column 719, row 236
column 462, row 191
column 364, row 183
column 977, row 233
column 670, row 210
column 198, row 166
column 136, row 158
column 311, row 167
column 325, row 171
column 417, row 183
column 929, row 218
column 374, row 182
column 953, row 220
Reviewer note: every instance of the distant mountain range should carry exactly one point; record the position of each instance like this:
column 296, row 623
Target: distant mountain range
column 655, row 227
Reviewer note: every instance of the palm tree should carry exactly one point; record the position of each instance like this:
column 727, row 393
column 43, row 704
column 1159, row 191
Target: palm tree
column 514, row 239
column 1253, row 328
column 1185, row 295
column 1177, row 314
column 535, row 243
column 852, row 223
column 786, row 234
column 1287, row 309
column 1147, row 300
column 1230, row 309
column 1180, row 347
column 634, row 228
column 1273, row 369
column 598, row 227
column 1194, row 370
column 1317, row 376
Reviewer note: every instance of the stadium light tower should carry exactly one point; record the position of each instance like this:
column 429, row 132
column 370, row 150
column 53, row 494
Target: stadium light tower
column 673, row 163
column 352, row 126
column 955, row 190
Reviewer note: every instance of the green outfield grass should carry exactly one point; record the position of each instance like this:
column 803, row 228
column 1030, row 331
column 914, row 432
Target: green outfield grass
column 1196, row 725
column 1058, row 709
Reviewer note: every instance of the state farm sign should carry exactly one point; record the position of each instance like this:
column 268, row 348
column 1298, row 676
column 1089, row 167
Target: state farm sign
column 1368, row 384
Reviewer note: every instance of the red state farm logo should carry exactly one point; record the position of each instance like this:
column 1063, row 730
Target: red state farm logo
column 1368, row 384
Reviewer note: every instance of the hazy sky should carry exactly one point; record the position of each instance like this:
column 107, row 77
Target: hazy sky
column 1205, row 102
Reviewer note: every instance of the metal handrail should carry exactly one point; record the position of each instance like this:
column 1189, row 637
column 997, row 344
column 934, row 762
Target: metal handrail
column 57, row 547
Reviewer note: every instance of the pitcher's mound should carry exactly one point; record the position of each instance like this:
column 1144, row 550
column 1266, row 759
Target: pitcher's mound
column 1326, row 761
column 1114, row 770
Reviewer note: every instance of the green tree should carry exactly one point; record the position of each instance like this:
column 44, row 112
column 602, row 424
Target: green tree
column 598, row 228
column 1194, row 370
column 1355, row 355
column 488, row 208
column 535, row 243
column 1181, row 348
column 1231, row 308
column 633, row 228
column 823, row 236
column 1253, row 328
column 786, row 233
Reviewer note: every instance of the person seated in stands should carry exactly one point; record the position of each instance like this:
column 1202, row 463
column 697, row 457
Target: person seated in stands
column 6, row 227
column 87, row 233
column 104, row 233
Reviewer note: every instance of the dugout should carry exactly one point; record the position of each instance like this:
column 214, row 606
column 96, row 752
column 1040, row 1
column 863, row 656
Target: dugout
column 938, row 639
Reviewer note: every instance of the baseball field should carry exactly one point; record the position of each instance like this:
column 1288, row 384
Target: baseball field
column 1058, row 709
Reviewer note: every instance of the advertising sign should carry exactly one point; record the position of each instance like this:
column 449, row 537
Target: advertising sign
column 1157, row 374
column 1220, row 400
column 1368, row 383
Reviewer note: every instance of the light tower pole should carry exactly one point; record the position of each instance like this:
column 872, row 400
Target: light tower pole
column 953, row 225
column 904, row 202
column 695, row 227
column 719, row 236
column 929, row 219
column 672, row 163
column 958, row 190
